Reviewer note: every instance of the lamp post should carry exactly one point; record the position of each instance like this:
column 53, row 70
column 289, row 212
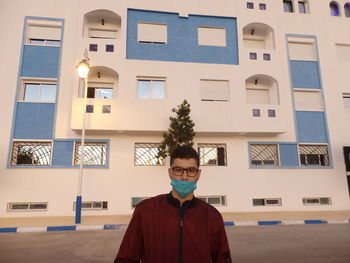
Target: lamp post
column 83, row 71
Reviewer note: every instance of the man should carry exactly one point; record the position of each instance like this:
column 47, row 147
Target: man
column 176, row 227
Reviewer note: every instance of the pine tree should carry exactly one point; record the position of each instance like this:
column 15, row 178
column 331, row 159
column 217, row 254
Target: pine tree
column 180, row 132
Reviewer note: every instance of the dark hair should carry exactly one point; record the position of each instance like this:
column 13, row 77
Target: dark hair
column 184, row 152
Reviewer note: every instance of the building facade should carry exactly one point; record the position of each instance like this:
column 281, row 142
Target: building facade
column 266, row 81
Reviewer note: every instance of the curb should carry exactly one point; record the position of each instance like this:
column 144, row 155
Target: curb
column 119, row 226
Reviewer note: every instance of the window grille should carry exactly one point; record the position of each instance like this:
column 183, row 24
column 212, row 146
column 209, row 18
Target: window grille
column 267, row 202
column 92, row 205
column 212, row 154
column 146, row 154
column 214, row 199
column 264, row 154
column 31, row 153
column 314, row 155
column 95, row 153
column 26, row 206
column 317, row 201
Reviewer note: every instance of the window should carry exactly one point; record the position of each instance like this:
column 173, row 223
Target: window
column 95, row 153
column 302, row 49
column 136, row 200
column 211, row 36
column 264, row 154
column 152, row 33
column 38, row 91
column 43, row 32
column 150, row 88
column 103, row 33
column 288, row 6
column 271, row 113
column 106, row 108
column 253, row 56
column 267, row 202
column 26, row 153
column 308, row 100
column 334, row 8
column 27, row 206
column 267, row 56
column 109, row 48
column 347, row 9
column 146, row 154
column 256, row 112
column 212, row 154
column 215, row 90
column 100, row 90
column 262, row 6
column 93, row 47
column 214, row 199
column 92, row 205
column 317, row 201
column 89, row 108
column 346, row 100
column 303, row 6
column 313, row 155
column 250, row 5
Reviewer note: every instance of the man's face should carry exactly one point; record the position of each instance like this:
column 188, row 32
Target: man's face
column 191, row 174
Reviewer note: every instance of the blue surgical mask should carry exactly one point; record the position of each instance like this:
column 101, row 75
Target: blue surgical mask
column 183, row 188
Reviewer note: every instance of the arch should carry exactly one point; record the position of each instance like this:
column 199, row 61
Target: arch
column 102, row 83
column 347, row 10
column 258, row 35
column 102, row 23
column 262, row 89
column 334, row 8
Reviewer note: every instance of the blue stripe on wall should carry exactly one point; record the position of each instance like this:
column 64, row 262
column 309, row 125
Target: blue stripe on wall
column 40, row 62
column 311, row 127
column 289, row 155
column 63, row 153
column 305, row 74
column 182, row 43
column 34, row 120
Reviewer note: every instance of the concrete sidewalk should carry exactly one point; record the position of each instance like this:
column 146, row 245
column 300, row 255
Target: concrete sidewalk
column 341, row 216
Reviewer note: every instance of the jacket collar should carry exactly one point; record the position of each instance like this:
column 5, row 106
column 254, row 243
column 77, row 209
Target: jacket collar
column 174, row 202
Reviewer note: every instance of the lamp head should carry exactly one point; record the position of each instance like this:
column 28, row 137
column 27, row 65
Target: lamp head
column 83, row 69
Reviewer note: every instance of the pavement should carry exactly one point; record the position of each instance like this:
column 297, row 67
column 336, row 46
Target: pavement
column 64, row 223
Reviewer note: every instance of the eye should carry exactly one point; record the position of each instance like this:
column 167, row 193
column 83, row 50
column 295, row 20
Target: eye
column 178, row 170
column 192, row 170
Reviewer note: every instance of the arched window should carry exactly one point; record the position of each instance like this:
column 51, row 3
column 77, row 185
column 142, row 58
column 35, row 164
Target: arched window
column 103, row 24
column 261, row 89
column 258, row 35
column 102, row 84
column 347, row 9
column 303, row 6
column 334, row 8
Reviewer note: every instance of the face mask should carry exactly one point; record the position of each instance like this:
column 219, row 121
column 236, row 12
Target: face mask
column 183, row 188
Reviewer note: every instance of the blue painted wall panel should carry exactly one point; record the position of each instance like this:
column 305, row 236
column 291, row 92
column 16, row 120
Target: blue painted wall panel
column 182, row 43
column 289, row 155
column 311, row 127
column 305, row 74
column 34, row 120
column 63, row 153
column 40, row 61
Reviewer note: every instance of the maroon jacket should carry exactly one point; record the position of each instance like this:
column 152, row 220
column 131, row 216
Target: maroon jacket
column 162, row 231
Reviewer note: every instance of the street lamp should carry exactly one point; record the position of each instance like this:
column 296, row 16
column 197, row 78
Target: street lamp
column 83, row 71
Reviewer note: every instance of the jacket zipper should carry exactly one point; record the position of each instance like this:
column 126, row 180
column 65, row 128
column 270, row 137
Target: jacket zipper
column 181, row 224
